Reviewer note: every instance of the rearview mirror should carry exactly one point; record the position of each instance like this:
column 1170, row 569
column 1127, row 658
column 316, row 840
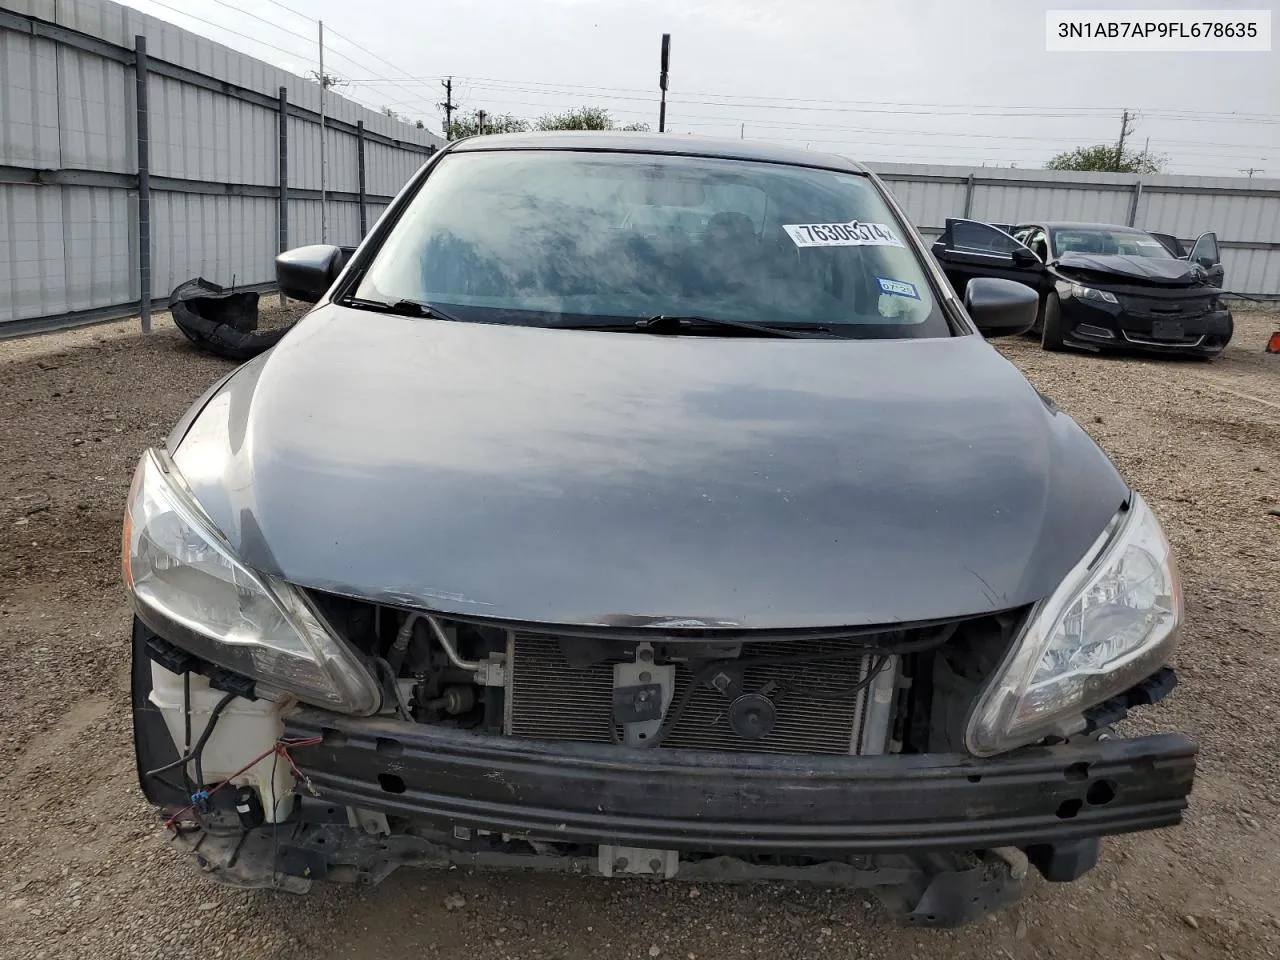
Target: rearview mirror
column 307, row 273
column 1000, row 308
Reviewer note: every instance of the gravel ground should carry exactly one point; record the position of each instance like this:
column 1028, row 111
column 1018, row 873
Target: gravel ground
column 85, row 872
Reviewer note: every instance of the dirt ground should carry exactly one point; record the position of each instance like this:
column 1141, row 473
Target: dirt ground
column 85, row 872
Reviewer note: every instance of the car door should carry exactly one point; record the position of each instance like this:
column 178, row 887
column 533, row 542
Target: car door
column 1206, row 253
column 971, row 248
column 1172, row 244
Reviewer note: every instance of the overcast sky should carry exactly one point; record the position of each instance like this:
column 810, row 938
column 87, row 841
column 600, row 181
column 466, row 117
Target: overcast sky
column 941, row 81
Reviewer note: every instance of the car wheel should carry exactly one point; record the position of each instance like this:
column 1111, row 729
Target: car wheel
column 1051, row 326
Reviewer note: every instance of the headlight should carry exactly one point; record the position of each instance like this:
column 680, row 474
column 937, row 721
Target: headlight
column 179, row 567
column 1110, row 624
column 1088, row 293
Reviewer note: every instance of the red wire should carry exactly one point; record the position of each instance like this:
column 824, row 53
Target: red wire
column 281, row 747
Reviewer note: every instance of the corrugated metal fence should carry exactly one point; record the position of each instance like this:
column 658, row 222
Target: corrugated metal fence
column 1245, row 213
column 228, row 187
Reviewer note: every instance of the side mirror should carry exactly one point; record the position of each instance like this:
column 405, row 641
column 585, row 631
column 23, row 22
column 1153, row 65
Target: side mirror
column 1206, row 262
column 1001, row 308
column 307, row 273
column 1023, row 258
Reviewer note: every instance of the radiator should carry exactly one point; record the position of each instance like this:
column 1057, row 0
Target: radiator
column 819, row 712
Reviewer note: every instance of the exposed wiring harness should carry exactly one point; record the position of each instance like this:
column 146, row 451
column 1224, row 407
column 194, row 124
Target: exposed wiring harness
column 197, row 751
column 280, row 748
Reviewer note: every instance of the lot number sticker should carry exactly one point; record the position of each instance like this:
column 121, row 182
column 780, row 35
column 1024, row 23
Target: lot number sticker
column 852, row 234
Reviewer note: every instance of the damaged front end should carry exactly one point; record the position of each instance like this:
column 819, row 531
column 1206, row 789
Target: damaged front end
column 1140, row 303
column 832, row 757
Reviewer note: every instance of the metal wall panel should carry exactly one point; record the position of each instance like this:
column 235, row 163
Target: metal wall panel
column 1236, row 217
column 28, row 101
column 344, row 163
column 223, row 239
column 388, row 169
column 304, row 222
column 33, row 279
column 94, row 96
column 32, row 8
column 304, row 154
column 68, row 248
column 98, row 243
column 199, row 135
column 928, row 203
column 1252, row 270
column 1013, row 203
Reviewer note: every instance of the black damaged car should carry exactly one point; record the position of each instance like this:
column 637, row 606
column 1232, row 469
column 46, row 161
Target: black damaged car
column 647, row 506
column 1100, row 286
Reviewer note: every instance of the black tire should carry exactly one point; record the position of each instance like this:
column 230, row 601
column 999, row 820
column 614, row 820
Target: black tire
column 1051, row 328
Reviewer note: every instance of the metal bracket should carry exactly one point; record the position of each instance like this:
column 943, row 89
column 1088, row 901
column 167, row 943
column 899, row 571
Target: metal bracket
column 492, row 671
column 369, row 821
column 637, row 861
column 644, row 672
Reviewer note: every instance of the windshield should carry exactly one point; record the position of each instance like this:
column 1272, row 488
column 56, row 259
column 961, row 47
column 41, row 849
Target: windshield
column 1132, row 243
column 575, row 238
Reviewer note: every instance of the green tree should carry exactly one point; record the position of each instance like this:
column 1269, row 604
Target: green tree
column 468, row 124
column 583, row 118
column 1104, row 158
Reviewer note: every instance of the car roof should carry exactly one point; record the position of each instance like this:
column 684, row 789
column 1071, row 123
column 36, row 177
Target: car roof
column 668, row 144
column 1082, row 225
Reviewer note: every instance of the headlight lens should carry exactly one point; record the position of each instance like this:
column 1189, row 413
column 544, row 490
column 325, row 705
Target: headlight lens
column 1089, row 293
column 178, row 566
column 1112, row 622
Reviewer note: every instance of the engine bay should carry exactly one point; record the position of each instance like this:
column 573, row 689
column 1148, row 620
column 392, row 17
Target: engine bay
column 834, row 692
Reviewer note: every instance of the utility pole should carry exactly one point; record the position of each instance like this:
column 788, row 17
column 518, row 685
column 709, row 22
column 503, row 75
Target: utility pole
column 448, row 106
column 662, row 82
column 1124, row 132
column 742, row 132
column 324, row 156
column 1251, row 171
column 479, row 122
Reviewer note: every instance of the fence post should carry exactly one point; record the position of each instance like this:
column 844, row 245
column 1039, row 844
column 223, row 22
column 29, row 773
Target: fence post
column 364, row 216
column 282, row 176
column 968, row 196
column 1133, row 201
column 144, row 183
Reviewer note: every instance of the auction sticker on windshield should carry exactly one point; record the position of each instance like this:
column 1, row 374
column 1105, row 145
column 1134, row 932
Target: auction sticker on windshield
column 851, row 234
column 898, row 288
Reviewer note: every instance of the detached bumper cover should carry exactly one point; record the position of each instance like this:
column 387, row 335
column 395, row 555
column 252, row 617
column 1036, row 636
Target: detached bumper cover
column 743, row 803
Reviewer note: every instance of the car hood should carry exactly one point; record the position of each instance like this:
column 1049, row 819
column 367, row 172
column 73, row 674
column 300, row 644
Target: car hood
column 1121, row 267
column 593, row 477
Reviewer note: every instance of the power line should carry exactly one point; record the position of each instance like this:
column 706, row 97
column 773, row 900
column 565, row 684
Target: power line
column 743, row 100
column 293, row 11
column 709, row 119
column 418, row 98
column 237, row 33
column 703, row 120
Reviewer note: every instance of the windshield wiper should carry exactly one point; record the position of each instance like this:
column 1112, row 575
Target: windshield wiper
column 401, row 308
column 670, row 323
